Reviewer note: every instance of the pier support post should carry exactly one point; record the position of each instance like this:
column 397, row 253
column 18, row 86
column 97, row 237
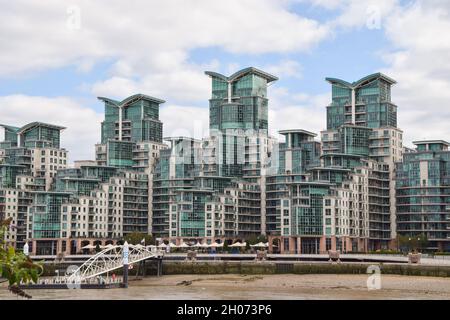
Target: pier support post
column 144, row 271
column 159, row 267
column 125, row 276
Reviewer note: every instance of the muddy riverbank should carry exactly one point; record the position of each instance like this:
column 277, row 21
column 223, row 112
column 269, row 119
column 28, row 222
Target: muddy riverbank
column 264, row 287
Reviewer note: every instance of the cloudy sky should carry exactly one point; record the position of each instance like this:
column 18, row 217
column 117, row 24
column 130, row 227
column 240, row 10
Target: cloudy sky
column 57, row 56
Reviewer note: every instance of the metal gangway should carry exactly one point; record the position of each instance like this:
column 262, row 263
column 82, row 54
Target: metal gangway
column 110, row 259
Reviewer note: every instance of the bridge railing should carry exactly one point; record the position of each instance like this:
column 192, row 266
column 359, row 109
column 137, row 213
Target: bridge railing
column 111, row 259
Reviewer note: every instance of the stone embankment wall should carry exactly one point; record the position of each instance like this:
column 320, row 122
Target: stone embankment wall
column 255, row 268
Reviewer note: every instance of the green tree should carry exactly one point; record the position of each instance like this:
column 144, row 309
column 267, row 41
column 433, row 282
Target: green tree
column 256, row 239
column 226, row 247
column 413, row 243
column 16, row 267
column 136, row 238
column 422, row 242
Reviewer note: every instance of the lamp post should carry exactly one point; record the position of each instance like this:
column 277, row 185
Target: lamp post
column 125, row 253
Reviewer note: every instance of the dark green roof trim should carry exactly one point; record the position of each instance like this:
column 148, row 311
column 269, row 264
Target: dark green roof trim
column 343, row 155
column 39, row 124
column 301, row 131
column 339, row 81
column 362, row 81
column 130, row 100
column 11, row 128
column 417, row 143
column 241, row 73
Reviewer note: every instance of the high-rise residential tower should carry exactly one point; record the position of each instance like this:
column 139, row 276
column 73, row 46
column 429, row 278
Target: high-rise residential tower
column 130, row 126
column 31, row 158
column 423, row 195
column 362, row 124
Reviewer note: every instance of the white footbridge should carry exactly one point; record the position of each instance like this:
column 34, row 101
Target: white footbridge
column 110, row 259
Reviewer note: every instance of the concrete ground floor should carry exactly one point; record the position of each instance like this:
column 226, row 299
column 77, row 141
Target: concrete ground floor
column 276, row 244
column 67, row 246
column 323, row 244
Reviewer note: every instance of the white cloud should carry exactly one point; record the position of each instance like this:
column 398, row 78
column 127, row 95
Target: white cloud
column 420, row 64
column 187, row 121
column 357, row 13
column 417, row 57
column 149, row 41
column 285, row 69
column 185, row 82
column 369, row 14
column 289, row 110
column 83, row 124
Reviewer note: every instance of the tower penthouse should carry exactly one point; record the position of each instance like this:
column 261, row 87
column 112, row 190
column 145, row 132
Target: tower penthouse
column 240, row 100
column 131, row 126
column 366, row 102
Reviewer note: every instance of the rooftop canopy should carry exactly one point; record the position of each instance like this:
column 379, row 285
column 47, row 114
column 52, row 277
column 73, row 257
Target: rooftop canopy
column 38, row 124
column 442, row 142
column 10, row 128
column 130, row 100
column 242, row 73
column 362, row 81
column 298, row 131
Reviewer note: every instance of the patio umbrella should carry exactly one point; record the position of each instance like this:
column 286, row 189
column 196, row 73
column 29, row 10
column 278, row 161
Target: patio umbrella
column 173, row 245
column 238, row 245
column 89, row 246
column 184, row 245
column 216, row 245
column 258, row 245
column 162, row 245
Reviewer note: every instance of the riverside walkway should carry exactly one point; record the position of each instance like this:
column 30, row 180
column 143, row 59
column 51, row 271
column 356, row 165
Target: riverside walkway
column 369, row 258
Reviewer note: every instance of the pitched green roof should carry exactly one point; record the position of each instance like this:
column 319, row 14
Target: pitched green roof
column 241, row 73
column 361, row 81
column 131, row 99
column 10, row 128
column 39, row 124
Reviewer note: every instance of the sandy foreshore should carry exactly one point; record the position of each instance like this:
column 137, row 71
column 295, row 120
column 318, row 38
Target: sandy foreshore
column 264, row 287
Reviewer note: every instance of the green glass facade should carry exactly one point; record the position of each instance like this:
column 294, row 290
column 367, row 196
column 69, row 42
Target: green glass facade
column 366, row 103
column 423, row 194
column 240, row 101
column 308, row 208
column 40, row 135
column 8, row 175
column 176, row 169
column 120, row 154
column 134, row 119
column 354, row 140
column 191, row 205
column 291, row 163
column 82, row 181
column 238, row 109
column 10, row 137
column 46, row 214
column 128, row 122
